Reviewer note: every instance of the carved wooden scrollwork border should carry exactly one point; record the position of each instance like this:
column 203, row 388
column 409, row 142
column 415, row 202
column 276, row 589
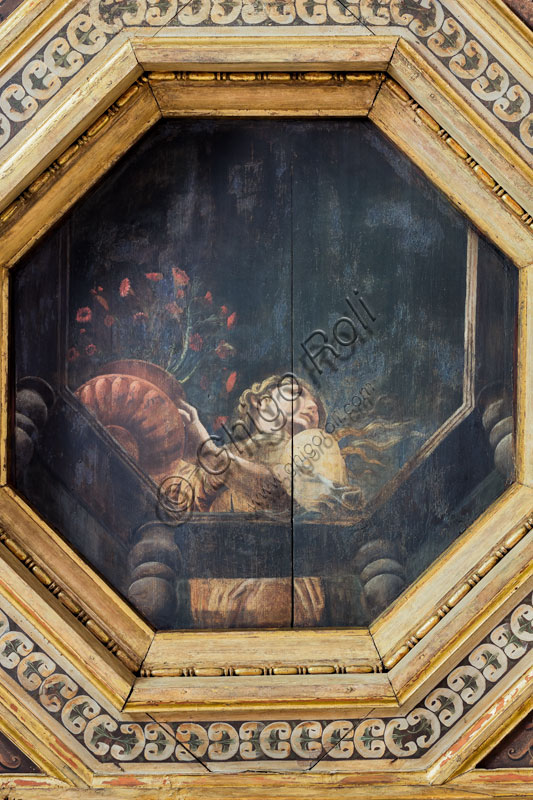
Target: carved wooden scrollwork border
column 40, row 184
column 490, row 78
column 405, row 735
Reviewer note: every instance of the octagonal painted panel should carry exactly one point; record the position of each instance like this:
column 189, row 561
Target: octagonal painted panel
column 263, row 374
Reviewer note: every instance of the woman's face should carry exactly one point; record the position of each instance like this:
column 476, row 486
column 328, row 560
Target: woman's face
column 288, row 407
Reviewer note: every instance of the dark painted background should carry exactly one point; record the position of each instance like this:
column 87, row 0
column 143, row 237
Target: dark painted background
column 279, row 220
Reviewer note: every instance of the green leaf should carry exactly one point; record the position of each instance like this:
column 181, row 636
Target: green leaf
column 160, row 741
column 336, row 737
column 85, row 36
column 16, row 105
column 32, row 668
column 225, row 741
column 375, row 7
column 274, row 739
column 449, row 39
column 194, row 742
column 305, row 739
column 493, row 84
column 77, row 710
column 61, row 60
column 127, row 742
column 398, row 736
column 525, row 624
column 427, row 16
column 54, row 690
column 367, row 738
column 447, row 703
column 100, row 732
column 11, row 647
column 37, row 83
column 471, row 62
column 422, row 728
column 511, row 637
column 470, row 682
column 514, row 106
column 491, row 659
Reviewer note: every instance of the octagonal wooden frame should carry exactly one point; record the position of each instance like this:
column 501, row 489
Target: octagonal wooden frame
column 45, row 168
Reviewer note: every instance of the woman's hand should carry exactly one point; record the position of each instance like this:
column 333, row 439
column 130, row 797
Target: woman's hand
column 196, row 434
column 188, row 412
column 256, row 480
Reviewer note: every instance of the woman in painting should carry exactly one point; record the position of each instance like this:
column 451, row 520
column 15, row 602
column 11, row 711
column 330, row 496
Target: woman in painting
column 248, row 475
column 278, row 453
column 279, row 463
column 276, row 468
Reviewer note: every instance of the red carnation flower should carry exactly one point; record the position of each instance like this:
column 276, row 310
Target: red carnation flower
column 224, row 310
column 90, row 349
column 230, row 383
column 208, row 297
column 231, row 320
column 82, row 330
column 223, row 350
column 84, row 314
column 196, row 342
column 154, row 276
column 174, row 309
column 220, row 421
column 180, row 277
column 140, row 316
column 180, row 293
column 72, row 354
column 108, row 320
column 125, row 287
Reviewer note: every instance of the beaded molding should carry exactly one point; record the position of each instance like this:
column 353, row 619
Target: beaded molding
column 89, row 28
column 110, row 738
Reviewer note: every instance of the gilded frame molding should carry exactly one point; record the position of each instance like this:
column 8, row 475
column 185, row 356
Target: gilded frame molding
column 96, row 115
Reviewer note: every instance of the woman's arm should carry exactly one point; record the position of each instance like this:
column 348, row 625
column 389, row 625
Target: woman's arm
column 222, row 466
